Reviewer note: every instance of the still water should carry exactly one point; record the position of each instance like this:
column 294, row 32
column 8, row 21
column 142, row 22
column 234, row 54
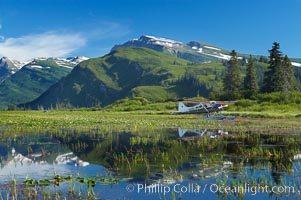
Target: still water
column 172, row 163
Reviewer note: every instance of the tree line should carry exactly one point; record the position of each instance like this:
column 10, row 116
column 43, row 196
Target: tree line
column 279, row 76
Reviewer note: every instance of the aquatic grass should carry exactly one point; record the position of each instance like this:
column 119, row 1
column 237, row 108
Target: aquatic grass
column 37, row 189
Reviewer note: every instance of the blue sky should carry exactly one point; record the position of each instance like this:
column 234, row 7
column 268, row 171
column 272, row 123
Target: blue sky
column 60, row 28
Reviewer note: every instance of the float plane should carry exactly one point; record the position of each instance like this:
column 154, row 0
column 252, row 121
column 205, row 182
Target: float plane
column 199, row 107
column 203, row 107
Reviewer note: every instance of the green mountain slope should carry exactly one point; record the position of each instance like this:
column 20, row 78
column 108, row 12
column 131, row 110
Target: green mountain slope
column 130, row 72
column 31, row 81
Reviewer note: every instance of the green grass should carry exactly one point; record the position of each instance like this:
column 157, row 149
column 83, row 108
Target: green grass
column 38, row 121
column 276, row 105
column 154, row 93
column 142, row 105
column 266, row 114
column 273, row 110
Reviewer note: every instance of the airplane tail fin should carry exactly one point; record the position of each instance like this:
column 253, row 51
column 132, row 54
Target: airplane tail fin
column 182, row 107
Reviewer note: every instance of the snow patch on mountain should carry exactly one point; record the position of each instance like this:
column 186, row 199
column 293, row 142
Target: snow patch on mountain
column 213, row 48
column 66, row 66
column 296, row 64
column 62, row 62
column 164, row 40
column 36, row 66
column 220, row 55
column 18, row 64
column 159, row 41
column 77, row 59
column 200, row 50
column 41, row 58
column 12, row 64
column 70, row 62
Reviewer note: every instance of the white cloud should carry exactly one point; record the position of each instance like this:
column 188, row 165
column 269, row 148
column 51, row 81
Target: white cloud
column 49, row 44
column 62, row 43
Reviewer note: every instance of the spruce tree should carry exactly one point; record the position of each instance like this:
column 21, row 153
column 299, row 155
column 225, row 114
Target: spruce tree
column 232, row 79
column 250, row 81
column 290, row 83
column 273, row 77
column 280, row 75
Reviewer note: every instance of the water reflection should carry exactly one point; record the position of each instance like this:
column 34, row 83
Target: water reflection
column 192, row 134
column 167, row 156
column 37, row 156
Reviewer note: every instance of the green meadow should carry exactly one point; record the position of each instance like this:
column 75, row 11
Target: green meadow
column 85, row 120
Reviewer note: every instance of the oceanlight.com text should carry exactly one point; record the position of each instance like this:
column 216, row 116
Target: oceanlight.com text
column 212, row 188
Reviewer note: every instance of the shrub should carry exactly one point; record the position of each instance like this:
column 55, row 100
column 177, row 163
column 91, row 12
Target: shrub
column 245, row 103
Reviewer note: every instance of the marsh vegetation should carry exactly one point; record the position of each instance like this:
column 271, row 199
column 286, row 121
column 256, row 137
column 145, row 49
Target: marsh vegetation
column 143, row 148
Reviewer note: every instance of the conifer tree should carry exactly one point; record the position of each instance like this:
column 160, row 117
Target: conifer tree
column 289, row 77
column 280, row 76
column 250, row 81
column 273, row 77
column 232, row 79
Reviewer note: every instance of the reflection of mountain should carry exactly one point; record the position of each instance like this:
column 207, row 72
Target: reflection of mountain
column 21, row 167
column 36, row 157
column 38, row 149
column 69, row 158
column 96, row 148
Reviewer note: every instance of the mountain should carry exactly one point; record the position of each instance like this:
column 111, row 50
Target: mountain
column 32, row 79
column 77, row 59
column 130, row 72
column 193, row 51
column 8, row 67
column 155, row 68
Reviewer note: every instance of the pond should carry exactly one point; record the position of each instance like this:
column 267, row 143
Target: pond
column 173, row 163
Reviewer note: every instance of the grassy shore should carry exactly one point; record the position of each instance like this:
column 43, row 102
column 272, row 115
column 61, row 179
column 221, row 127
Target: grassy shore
column 83, row 120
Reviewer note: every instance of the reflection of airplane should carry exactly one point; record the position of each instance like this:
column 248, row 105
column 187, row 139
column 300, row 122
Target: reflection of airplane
column 200, row 107
column 190, row 134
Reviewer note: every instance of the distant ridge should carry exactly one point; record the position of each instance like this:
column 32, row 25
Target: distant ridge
column 26, row 81
column 193, row 51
